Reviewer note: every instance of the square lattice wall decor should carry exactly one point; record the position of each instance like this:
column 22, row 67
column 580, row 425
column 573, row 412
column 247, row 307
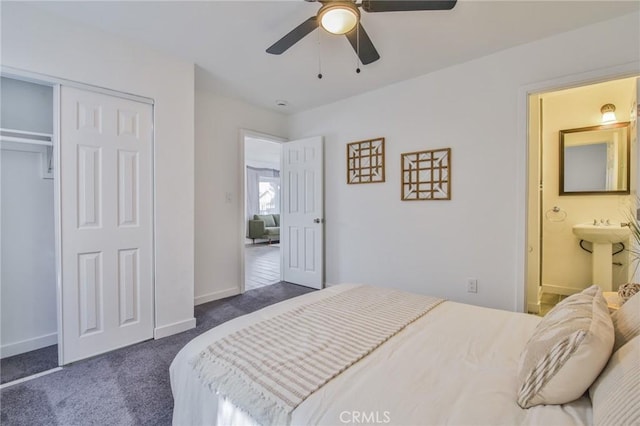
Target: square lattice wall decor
column 426, row 175
column 365, row 161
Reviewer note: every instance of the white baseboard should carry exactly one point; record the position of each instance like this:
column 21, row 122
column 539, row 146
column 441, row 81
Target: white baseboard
column 175, row 328
column 220, row 294
column 11, row 349
column 28, row 378
column 33, row 376
column 558, row 289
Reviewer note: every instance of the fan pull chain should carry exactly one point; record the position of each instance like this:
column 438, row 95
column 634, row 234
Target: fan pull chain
column 319, row 56
column 358, row 47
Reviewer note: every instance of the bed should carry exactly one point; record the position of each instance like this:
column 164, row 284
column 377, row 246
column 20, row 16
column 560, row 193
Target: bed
column 455, row 365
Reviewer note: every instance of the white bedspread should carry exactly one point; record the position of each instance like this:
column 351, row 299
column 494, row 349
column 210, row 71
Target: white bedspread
column 456, row 365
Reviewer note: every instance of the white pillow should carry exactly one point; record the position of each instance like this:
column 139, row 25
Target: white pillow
column 567, row 351
column 626, row 321
column 616, row 393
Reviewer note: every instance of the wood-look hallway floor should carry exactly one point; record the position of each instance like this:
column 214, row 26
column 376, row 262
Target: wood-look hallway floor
column 262, row 265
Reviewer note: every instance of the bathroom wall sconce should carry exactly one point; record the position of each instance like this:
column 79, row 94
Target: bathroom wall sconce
column 608, row 113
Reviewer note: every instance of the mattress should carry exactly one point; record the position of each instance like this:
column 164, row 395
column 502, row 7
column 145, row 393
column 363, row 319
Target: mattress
column 456, row 365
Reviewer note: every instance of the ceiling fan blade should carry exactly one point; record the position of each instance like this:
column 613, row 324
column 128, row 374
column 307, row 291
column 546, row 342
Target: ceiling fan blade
column 366, row 51
column 294, row 36
column 406, row 5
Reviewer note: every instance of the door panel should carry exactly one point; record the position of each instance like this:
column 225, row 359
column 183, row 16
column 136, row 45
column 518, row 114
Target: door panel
column 302, row 225
column 107, row 240
column 128, row 285
column 89, row 209
column 128, row 164
column 90, row 288
column 309, row 249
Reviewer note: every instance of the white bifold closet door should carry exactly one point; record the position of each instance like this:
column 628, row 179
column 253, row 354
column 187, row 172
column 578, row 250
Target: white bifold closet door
column 107, row 223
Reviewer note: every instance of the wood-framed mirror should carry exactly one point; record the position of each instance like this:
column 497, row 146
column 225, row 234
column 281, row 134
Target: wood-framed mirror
column 595, row 160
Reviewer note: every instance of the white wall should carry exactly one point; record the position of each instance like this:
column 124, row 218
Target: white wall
column 28, row 283
column 262, row 154
column 39, row 42
column 218, row 165
column 26, row 106
column 433, row 247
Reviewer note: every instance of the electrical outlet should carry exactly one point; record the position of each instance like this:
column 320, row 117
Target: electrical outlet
column 472, row 285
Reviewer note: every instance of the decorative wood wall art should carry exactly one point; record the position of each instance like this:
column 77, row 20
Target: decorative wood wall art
column 426, row 175
column 365, row 161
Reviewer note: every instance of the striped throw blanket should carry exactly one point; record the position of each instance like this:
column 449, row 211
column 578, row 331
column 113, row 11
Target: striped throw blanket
column 269, row 368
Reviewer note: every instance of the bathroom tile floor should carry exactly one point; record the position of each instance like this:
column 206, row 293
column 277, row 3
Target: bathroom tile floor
column 548, row 301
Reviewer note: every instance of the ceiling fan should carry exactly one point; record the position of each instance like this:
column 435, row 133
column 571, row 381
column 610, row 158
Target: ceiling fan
column 343, row 17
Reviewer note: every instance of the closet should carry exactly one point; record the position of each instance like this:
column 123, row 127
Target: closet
column 77, row 222
column 28, row 250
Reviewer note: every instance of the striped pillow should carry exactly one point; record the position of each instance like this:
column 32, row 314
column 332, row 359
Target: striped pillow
column 616, row 393
column 626, row 321
column 567, row 350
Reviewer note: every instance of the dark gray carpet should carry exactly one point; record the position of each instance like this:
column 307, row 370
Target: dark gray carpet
column 29, row 363
column 129, row 386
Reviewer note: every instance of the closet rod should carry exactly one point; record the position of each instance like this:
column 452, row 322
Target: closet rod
column 26, row 133
column 4, row 138
column 23, row 136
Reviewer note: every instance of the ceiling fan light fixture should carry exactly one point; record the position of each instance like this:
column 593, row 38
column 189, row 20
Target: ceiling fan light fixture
column 338, row 17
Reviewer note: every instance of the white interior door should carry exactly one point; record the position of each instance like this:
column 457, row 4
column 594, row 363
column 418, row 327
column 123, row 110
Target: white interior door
column 107, row 228
column 302, row 227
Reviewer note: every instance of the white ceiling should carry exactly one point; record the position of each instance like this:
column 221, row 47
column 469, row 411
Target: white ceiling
column 227, row 41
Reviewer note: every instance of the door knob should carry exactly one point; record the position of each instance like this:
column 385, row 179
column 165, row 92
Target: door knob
column 318, row 220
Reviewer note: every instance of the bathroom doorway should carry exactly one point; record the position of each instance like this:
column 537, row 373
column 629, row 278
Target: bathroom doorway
column 558, row 262
column 262, row 204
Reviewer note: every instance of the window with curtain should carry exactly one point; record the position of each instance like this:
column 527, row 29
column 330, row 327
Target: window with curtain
column 269, row 189
column 263, row 191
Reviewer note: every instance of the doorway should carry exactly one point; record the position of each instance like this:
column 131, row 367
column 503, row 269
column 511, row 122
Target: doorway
column 558, row 263
column 29, row 337
column 301, row 218
column 262, row 208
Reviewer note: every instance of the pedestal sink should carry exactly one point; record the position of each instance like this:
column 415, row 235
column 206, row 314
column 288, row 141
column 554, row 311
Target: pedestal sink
column 603, row 237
